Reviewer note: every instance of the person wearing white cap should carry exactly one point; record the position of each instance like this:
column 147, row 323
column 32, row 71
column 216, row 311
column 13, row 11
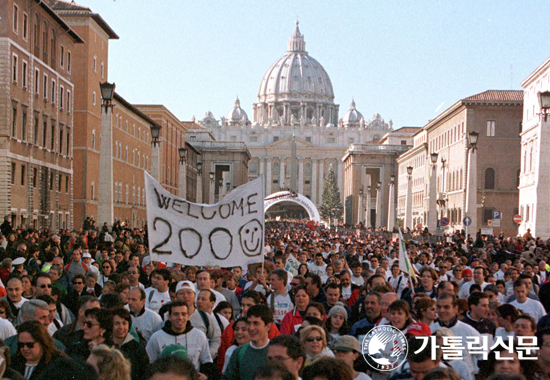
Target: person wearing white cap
column 88, row 261
column 186, row 292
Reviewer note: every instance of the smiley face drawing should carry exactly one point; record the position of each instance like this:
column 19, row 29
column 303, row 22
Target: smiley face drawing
column 251, row 238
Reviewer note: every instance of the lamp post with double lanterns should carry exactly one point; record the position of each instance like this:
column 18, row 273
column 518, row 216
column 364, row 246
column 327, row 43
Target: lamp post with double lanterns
column 182, row 173
column 408, row 199
column 155, row 151
column 471, row 189
column 105, row 199
column 199, row 181
column 391, row 204
column 432, row 206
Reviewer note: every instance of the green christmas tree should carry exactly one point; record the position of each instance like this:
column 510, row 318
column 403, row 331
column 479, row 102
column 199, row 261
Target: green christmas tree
column 331, row 208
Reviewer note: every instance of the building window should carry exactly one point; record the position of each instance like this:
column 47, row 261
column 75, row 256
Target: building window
column 61, row 139
column 275, row 138
column 23, row 167
column 45, row 87
column 102, row 69
column 14, row 68
column 25, row 26
column 52, row 136
column 34, row 176
column 24, row 124
column 491, row 128
column 36, row 81
column 308, row 139
column 34, row 132
column 68, row 61
column 61, row 55
column 61, row 96
column 67, row 184
column 51, row 181
column 53, row 91
column 92, row 190
column 24, row 74
column 93, row 98
column 403, row 142
column 15, row 19
column 93, row 139
column 95, row 64
column 490, row 178
column 14, row 120
column 13, row 168
column 68, row 101
column 253, row 138
column 44, row 132
column 67, row 145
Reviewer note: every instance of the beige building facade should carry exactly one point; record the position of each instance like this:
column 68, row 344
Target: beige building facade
column 494, row 166
column 36, row 108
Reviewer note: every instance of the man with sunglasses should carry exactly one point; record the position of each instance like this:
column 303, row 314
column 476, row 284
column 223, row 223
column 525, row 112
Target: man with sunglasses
column 42, row 285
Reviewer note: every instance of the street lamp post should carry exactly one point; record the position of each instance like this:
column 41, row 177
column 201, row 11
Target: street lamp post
column 432, row 207
column 408, row 200
column 391, row 204
column 182, row 173
column 471, row 189
column 155, row 151
column 211, row 188
column 105, row 199
column 199, row 181
column 378, row 222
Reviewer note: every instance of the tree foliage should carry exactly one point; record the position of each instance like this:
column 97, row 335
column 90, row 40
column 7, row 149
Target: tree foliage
column 331, row 206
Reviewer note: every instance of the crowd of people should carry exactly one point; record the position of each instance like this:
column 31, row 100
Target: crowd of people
column 93, row 301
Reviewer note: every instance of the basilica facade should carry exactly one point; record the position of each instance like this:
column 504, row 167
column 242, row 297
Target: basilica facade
column 295, row 135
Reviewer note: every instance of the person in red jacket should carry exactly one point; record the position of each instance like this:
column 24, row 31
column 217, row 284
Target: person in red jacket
column 249, row 299
column 293, row 319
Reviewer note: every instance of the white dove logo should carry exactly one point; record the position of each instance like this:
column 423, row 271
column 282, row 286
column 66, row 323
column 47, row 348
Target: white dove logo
column 384, row 348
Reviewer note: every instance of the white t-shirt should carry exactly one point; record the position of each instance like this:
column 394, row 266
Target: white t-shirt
column 531, row 307
column 154, row 299
column 282, row 305
column 320, row 270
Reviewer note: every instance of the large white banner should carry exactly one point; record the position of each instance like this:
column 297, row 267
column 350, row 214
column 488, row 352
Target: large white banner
column 229, row 233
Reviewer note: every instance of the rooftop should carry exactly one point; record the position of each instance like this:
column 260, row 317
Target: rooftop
column 498, row 95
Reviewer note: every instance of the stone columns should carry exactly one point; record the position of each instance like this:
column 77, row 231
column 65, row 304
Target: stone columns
column 391, row 208
column 105, row 211
column 282, row 174
column 268, row 178
column 314, row 182
column 321, row 179
column 300, row 176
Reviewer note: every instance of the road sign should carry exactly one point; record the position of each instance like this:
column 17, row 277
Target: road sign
column 517, row 218
column 467, row 221
column 486, row 231
column 496, row 222
column 497, row 215
column 490, row 222
column 444, row 221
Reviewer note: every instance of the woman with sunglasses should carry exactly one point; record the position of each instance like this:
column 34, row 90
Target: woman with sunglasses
column 293, row 319
column 314, row 341
column 35, row 350
column 107, row 268
column 97, row 323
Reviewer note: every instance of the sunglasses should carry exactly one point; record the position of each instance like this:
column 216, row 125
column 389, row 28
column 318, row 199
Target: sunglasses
column 49, row 286
column 90, row 324
column 317, row 338
column 26, row 344
column 133, row 272
column 78, row 283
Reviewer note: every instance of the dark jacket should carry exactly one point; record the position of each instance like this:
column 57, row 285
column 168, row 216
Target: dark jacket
column 18, row 364
column 135, row 352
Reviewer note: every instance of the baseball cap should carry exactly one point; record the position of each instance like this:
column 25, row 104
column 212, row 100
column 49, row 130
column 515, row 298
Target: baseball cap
column 175, row 350
column 86, row 254
column 185, row 284
column 346, row 343
column 419, row 329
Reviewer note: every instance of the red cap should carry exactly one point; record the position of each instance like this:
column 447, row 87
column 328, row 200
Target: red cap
column 466, row 271
column 419, row 329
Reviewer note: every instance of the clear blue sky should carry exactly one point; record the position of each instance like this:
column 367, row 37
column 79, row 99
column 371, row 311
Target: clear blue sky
column 407, row 60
